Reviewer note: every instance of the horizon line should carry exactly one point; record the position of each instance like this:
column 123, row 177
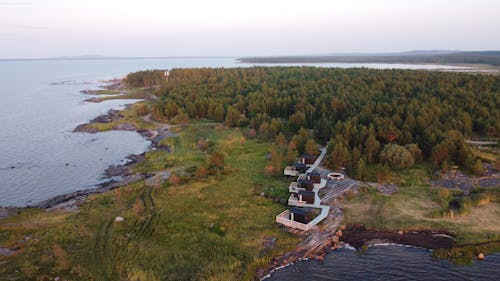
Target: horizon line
column 104, row 57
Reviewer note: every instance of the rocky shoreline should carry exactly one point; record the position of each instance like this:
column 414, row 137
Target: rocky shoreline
column 70, row 201
column 358, row 236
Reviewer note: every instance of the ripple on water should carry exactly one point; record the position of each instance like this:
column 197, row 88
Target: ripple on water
column 390, row 262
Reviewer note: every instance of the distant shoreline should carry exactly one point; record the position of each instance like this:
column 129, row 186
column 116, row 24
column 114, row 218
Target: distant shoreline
column 488, row 61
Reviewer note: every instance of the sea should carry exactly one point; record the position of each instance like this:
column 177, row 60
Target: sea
column 387, row 262
column 41, row 103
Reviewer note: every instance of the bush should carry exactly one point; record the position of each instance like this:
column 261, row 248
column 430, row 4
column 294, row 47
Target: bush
column 396, row 156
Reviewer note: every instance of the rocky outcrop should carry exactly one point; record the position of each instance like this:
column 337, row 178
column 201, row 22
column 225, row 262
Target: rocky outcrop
column 359, row 235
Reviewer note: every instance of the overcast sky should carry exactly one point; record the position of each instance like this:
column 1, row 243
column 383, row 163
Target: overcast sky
column 47, row 28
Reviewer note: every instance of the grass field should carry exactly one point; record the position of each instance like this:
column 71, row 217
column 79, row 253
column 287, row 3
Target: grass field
column 131, row 93
column 410, row 207
column 204, row 229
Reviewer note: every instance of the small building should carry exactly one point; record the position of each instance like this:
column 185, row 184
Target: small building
column 295, row 170
column 302, row 215
column 314, row 177
column 308, row 196
column 307, row 184
column 308, row 159
column 300, row 167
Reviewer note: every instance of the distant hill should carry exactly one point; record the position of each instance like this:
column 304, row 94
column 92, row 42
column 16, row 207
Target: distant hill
column 434, row 57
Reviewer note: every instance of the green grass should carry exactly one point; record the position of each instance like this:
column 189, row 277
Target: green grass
column 132, row 93
column 130, row 117
column 204, row 229
column 409, row 209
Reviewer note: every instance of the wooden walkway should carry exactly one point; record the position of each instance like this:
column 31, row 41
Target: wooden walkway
column 318, row 160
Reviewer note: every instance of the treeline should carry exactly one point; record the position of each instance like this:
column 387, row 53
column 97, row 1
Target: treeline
column 146, row 78
column 480, row 57
column 423, row 115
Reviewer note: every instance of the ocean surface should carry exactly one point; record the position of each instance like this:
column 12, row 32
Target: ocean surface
column 41, row 104
column 387, row 263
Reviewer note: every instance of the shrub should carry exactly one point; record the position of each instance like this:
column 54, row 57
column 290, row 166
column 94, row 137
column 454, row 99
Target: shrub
column 396, row 156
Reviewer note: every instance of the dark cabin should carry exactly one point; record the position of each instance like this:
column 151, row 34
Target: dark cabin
column 307, row 196
column 314, row 177
column 307, row 184
column 308, row 159
column 301, row 215
column 301, row 168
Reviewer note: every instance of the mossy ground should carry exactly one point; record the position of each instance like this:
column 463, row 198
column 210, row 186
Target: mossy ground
column 129, row 93
column 410, row 207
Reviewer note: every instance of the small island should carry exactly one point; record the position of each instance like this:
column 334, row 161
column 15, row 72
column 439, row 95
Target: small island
column 417, row 152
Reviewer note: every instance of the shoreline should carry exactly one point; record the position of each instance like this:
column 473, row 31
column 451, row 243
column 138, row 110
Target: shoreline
column 70, row 201
column 322, row 240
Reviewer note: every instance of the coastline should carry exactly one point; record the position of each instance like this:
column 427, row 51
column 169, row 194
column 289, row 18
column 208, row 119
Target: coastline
column 70, row 201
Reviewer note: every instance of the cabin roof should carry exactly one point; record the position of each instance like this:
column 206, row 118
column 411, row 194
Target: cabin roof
column 308, row 156
column 313, row 174
column 299, row 211
column 299, row 165
column 306, row 192
column 304, row 181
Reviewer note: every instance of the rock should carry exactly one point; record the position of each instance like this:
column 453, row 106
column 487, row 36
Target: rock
column 400, row 232
column 480, row 256
column 119, row 219
column 57, row 278
column 342, row 227
column 320, row 258
column 114, row 171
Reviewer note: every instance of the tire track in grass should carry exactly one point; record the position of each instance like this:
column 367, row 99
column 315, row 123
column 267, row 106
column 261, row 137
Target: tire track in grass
column 112, row 252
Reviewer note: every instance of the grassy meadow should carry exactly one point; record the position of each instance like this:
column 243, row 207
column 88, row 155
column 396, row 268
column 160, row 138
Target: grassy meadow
column 207, row 228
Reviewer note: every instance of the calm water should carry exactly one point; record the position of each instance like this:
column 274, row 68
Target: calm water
column 40, row 157
column 388, row 263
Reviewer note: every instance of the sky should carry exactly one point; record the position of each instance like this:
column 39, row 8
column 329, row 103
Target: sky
column 51, row 28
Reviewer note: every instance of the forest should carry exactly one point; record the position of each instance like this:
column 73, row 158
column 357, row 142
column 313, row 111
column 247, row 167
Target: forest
column 394, row 118
column 491, row 58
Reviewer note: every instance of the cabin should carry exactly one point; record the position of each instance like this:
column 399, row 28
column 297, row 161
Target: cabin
column 308, row 159
column 307, row 184
column 295, row 170
column 302, row 215
column 300, row 167
column 301, row 198
column 308, row 196
column 314, row 177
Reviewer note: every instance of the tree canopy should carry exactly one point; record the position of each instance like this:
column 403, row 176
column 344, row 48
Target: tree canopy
column 365, row 109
